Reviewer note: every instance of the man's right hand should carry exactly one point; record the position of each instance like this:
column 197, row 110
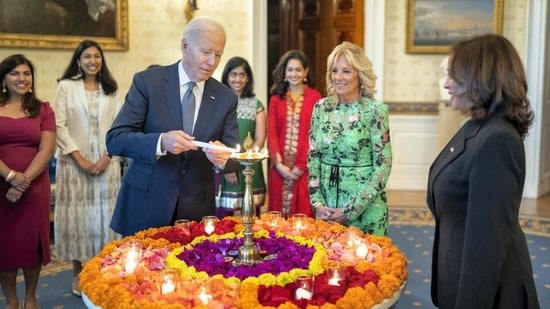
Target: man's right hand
column 177, row 141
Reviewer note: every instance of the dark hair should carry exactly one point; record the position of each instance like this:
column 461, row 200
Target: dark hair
column 31, row 104
column 490, row 69
column 108, row 83
column 280, row 86
column 235, row 62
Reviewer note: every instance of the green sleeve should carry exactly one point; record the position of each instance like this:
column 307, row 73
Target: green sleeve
column 381, row 161
column 314, row 159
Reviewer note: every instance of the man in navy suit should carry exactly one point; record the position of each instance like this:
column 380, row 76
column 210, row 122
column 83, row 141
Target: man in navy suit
column 169, row 177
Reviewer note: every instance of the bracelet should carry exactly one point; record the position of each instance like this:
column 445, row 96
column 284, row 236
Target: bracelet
column 315, row 205
column 11, row 175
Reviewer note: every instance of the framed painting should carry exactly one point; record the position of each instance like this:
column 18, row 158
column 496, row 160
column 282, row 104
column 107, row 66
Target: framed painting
column 62, row 24
column 434, row 25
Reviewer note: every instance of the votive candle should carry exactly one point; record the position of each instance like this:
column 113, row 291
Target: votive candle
column 209, row 224
column 131, row 261
column 209, row 228
column 130, row 266
column 204, row 297
column 362, row 251
column 304, row 288
column 335, row 274
column 167, row 286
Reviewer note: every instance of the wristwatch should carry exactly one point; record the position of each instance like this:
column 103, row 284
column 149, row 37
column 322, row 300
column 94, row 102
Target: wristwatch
column 218, row 169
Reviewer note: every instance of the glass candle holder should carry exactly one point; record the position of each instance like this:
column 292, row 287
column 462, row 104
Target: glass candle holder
column 166, row 281
column 362, row 250
column 274, row 218
column 304, row 287
column 299, row 221
column 204, row 296
column 335, row 275
column 183, row 224
column 209, row 224
column 354, row 238
column 167, row 284
column 131, row 256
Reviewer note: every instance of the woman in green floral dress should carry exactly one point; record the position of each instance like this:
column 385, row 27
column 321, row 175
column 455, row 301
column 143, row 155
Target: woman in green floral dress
column 350, row 151
column 251, row 119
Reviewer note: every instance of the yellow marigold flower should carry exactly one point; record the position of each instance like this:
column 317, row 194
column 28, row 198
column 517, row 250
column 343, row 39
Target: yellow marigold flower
column 267, row 280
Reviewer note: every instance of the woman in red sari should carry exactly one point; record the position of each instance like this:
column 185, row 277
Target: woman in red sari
column 289, row 116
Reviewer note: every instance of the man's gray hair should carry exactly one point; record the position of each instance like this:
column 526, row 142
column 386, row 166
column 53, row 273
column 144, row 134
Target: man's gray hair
column 200, row 25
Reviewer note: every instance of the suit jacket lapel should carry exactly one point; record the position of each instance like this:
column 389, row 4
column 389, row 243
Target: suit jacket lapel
column 171, row 88
column 81, row 92
column 207, row 109
column 103, row 101
column 103, row 109
column 450, row 152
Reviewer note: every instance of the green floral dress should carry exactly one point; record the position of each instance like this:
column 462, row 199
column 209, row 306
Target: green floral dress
column 350, row 161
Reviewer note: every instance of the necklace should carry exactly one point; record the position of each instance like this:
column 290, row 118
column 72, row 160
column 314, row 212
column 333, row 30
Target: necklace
column 294, row 104
column 296, row 95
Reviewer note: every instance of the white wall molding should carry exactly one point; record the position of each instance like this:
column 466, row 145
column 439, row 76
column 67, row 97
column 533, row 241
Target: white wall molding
column 535, row 45
column 414, row 142
column 259, row 48
column 374, row 39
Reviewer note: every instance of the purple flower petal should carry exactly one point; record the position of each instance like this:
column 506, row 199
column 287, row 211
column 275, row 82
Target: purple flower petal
column 210, row 257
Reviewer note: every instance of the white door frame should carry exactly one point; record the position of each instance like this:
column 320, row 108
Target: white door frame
column 535, row 44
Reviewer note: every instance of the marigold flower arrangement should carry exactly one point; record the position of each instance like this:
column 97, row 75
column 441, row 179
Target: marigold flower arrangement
column 204, row 271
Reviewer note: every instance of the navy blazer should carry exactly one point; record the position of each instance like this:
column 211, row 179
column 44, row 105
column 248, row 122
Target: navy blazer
column 480, row 255
column 152, row 186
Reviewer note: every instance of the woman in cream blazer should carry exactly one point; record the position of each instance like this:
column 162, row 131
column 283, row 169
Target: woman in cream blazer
column 87, row 176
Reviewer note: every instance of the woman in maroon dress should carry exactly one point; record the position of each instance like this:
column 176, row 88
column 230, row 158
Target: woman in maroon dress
column 27, row 142
column 290, row 107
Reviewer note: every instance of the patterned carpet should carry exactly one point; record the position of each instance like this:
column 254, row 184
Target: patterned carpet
column 411, row 229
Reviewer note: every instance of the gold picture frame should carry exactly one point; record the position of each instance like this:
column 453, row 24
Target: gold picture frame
column 433, row 26
column 48, row 25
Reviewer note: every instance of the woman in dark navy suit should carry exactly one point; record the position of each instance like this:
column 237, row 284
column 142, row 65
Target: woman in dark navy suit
column 480, row 256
